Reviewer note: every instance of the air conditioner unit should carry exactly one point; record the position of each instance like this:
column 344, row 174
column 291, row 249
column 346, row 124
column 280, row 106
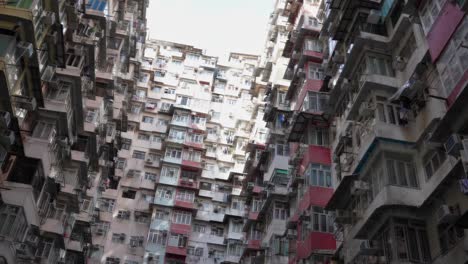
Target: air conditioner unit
column 359, row 187
column 7, row 137
column 366, row 110
column 5, row 119
column 374, row 16
column 250, row 185
column 28, row 103
column 48, row 18
column 149, row 161
column 453, row 145
column 399, row 63
column 446, row 214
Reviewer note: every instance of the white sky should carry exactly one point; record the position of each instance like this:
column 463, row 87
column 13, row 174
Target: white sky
column 219, row 26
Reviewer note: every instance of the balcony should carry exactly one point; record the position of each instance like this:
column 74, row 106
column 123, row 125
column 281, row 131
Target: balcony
column 316, row 242
column 55, row 218
column 188, row 183
column 179, row 251
column 254, row 243
column 180, row 229
column 164, row 201
column 160, row 224
column 185, row 204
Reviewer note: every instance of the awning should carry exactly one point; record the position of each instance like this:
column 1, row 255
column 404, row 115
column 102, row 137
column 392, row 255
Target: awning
column 341, row 196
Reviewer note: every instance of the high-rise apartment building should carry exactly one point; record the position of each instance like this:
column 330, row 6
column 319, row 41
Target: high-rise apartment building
column 345, row 141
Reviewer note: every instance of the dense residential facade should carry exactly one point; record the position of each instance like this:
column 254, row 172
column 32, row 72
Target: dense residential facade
column 345, row 141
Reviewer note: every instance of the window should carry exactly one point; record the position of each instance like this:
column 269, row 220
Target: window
column 177, row 134
column 147, row 119
column 429, row 13
column 91, row 115
column 390, row 113
column 124, row 215
column 199, row 228
column 112, row 260
column 256, row 205
column 126, row 143
column 136, row 241
column 12, row 222
column 120, row 164
column 156, row 89
column 164, row 193
column 409, row 243
column 143, row 136
column 157, row 237
column 379, row 65
column 450, row 235
column 236, row 226
column 129, row 194
column 138, row 154
column 280, row 246
column 173, row 153
column 280, row 211
column 205, row 186
column 401, row 172
column 216, row 115
column 315, row 71
column 181, row 217
column 162, row 122
column 44, row 247
column 177, row 240
column 321, row 221
column 118, row 238
column 44, row 130
column 170, row 172
column 161, row 214
column 282, row 149
column 165, row 106
column 318, row 137
column 198, row 251
column 100, row 228
column 196, row 138
column 313, row 45
column 315, row 102
column 150, row 176
column 107, row 205
column 198, row 120
column 133, row 173
column 432, row 162
column 183, row 100
column 135, row 109
column 58, row 92
column 193, row 156
column 232, row 101
column 185, row 195
column 318, row 175
column 217, row 231
column 235, row 249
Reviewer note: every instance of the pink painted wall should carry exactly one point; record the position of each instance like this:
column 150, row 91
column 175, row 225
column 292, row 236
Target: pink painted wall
column 253, row 244
column 317, row 196
column 181, row 229
column 309, row 85
column 184, row 204
column 253, row 215
column 314, row 56
column 443, row 28
column 315, row 241
column 176, row 250
column 315, row 154
column 189, row 163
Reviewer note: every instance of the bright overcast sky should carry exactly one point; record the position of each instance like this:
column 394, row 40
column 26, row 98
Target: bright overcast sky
column 219, row 26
